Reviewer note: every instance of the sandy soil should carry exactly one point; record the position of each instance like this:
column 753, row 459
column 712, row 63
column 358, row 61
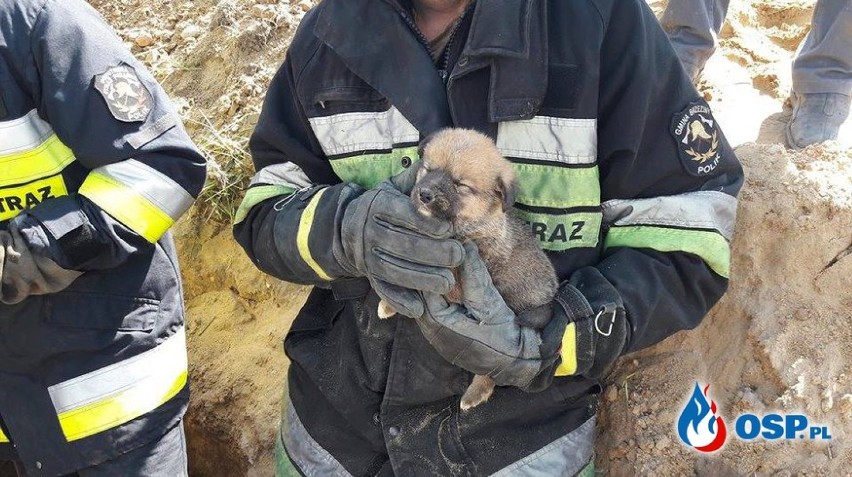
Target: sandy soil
column 779, row 341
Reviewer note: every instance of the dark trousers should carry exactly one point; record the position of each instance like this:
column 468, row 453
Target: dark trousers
column 165, row 457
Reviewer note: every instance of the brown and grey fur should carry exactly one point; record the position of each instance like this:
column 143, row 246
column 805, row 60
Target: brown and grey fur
column 464, row 179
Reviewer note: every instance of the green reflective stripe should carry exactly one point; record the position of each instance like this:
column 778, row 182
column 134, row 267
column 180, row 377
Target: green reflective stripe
column 367, row 170
column 588, row 470
column 283, row 466
column 258, row 194
column 558, row 187
column 558, row 232
column 710, row 246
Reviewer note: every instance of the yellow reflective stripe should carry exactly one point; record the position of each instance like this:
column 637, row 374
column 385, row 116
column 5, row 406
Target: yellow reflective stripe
column 14, row 200
column 304, row 233
column 3, row 438
column 116, row 394
column 568, row 366
column 126, row 206
column 114, row 411
column 49, row 158
column 710, row 246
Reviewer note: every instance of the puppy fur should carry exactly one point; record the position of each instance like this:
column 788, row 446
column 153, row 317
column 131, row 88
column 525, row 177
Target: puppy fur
column 464, row 179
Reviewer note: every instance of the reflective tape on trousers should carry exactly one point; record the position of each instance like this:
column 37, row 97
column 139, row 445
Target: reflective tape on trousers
column 116, row 394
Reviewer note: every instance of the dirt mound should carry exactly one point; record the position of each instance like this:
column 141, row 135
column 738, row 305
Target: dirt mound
column 236, row 318
column 777, row 342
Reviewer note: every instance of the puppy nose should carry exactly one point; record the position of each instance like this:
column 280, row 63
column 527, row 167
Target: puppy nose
column 426, row 195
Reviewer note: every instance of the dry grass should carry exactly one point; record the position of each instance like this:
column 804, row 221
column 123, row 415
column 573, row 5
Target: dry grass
column 229, row 169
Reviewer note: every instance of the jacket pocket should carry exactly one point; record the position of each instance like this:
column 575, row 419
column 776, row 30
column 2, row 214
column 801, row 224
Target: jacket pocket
column 318, row 313
column 345, row 99
column 99, row 311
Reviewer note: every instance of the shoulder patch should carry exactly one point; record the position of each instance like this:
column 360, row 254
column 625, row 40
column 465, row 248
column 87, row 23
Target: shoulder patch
column 697, row 136
column 126, row 96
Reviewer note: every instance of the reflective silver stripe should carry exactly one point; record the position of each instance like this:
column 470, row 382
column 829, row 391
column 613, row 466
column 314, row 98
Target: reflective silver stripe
column 147, row 376
column 23, row 134
column 151, row 184
column 567, row 455
column 710, row 210
column 545, row 138
column 353, row 132
column 287, row 174
column 311, row 458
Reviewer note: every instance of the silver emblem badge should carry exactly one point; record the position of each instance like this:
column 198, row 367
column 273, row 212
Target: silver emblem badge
column 128, row 99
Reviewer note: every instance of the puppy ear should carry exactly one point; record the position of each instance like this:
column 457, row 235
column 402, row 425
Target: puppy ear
column 507, row 191
column 423, row 143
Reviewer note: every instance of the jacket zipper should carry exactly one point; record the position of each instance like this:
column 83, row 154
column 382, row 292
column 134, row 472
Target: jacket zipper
column 413, row 27
column 445, row 56
column 443, row 69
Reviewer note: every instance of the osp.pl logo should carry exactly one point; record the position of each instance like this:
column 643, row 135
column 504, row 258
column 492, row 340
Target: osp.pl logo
column 702, row 428
column 698, row 425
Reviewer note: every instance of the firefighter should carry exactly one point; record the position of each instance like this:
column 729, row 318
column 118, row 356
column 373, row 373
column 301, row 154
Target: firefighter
column 822, row 69
column 625, row 179
column 95, row 167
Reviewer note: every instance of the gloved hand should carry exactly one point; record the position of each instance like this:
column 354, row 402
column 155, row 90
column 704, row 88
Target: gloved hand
column 384, row 238
column 25, row 273
column 483, row 335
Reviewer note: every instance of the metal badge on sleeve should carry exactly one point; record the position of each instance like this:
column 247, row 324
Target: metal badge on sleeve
column 126, row 96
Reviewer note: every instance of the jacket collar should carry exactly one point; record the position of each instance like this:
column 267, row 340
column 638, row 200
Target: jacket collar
column 510, row 36
column 374, row 42
column 501, row 28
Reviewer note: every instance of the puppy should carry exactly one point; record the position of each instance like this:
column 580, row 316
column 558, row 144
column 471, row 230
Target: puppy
column 464, row 179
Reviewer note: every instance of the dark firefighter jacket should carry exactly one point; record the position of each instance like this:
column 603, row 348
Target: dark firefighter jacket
column 96, row 166
column 621, row 167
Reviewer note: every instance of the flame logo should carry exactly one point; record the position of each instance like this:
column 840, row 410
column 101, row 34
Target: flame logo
column 698, row 425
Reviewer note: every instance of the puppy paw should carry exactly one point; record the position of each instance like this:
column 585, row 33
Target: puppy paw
column 385, row 310
column 479, row 391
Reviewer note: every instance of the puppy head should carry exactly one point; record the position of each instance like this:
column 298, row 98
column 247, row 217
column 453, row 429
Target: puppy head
column 463, row 177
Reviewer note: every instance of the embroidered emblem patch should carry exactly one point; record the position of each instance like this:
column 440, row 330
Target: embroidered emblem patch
column 697, row 138
column 127, row 98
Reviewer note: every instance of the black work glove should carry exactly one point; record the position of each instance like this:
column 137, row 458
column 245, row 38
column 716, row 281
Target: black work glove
column 483, row 335
column 25, row 272
column 384, row 238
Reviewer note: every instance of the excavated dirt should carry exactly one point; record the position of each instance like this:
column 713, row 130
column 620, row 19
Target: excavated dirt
column 779, row 340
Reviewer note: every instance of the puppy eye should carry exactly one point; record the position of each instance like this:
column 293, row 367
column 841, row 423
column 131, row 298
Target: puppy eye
column 464, row 188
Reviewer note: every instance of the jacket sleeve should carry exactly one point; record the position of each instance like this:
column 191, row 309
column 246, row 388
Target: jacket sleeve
column 144, row 172
column 294, row 204
column 669, row 192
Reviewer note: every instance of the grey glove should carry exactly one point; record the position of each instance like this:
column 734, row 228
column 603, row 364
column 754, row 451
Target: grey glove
column 481, row 336
column 25, row 273
column 383, row 238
